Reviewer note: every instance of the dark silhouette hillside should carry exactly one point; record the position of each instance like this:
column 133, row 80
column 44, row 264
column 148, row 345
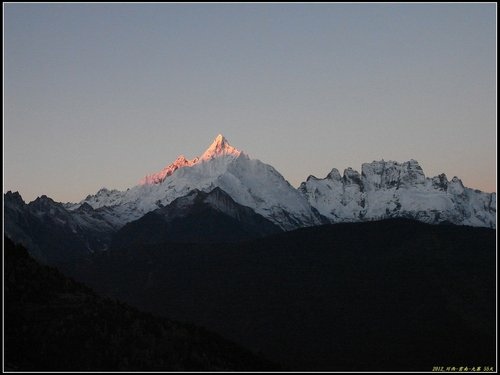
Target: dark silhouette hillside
column 389, row 295
column 53, row 323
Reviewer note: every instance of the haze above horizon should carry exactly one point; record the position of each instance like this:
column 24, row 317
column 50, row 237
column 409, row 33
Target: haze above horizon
column 103, row 94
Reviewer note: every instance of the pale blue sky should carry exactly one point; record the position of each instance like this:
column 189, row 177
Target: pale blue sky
column 101, row 95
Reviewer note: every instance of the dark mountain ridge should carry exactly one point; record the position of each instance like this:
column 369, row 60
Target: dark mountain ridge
column 53, row 234
column 50, row 232
column 391, row 295
column 198, row 217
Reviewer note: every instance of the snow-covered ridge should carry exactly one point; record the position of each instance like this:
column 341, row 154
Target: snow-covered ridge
column 383, row 189
column 387, row 189
column 219, row 147
column 230, row 181
column 160, row 176
column 248, row 181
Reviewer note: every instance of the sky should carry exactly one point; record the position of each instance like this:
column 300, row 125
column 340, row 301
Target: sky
column 99, row 95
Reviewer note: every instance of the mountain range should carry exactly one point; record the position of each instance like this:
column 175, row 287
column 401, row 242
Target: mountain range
column 251, row 195
column 385, row 270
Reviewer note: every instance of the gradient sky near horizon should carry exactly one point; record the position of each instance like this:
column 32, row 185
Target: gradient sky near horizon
column 99, row 95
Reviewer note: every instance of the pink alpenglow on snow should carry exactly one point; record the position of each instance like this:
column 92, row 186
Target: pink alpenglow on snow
column 157, row 178
column 220, row 147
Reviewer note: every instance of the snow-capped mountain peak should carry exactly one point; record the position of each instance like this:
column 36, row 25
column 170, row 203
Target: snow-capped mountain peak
column 386, row 189
column 383, row 189
column 220, row 147
column 248, row 181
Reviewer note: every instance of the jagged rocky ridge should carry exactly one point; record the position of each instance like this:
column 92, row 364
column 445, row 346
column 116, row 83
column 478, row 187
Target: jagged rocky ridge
column 51, row 232
column 382, row 190
column 388, row 189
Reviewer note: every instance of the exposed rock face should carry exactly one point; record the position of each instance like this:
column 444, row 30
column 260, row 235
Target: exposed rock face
column 391, row 189
column 51, row 232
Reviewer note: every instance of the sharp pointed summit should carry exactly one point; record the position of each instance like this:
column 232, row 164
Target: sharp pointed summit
column 383, row 189
column 220, row 147
column 248, row 181
column 220, row 139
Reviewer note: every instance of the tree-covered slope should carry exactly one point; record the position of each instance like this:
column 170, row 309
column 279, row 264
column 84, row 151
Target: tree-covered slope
column 53, row 323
